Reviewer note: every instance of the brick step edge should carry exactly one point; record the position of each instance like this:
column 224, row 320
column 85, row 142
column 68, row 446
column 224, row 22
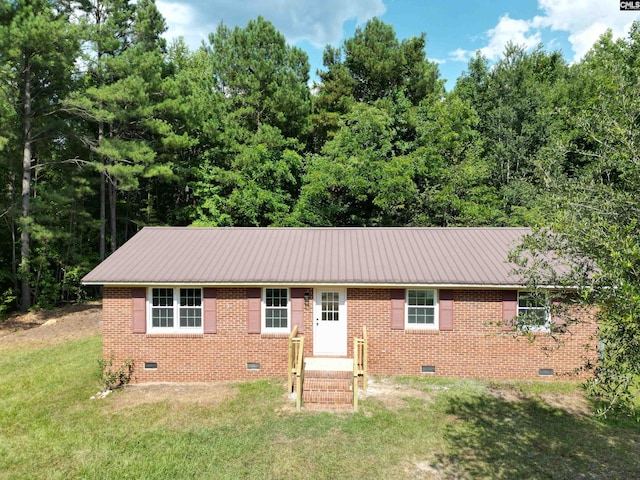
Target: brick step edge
column 328, row 384
column 327, row 397
column 328, row 407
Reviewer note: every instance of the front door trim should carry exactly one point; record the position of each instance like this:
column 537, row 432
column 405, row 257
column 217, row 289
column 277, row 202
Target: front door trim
column 330, row 335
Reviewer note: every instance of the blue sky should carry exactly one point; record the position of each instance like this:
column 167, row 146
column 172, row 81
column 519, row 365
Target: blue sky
column 455, row 29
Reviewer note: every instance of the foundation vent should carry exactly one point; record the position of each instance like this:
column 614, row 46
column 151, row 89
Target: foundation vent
column 150, row 365
column 428, row 369
column 545, row 372
column 253, row 366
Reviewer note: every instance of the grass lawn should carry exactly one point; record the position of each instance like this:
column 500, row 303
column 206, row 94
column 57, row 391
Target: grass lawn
column 462, row 429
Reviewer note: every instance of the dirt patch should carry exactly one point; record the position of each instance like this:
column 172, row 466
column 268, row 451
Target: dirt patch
column 391, row 394
column 424, row 470
column 204, row 394
column 575, row 404
column 52, row 326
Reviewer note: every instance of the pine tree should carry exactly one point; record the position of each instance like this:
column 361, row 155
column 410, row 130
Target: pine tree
column 38, row 47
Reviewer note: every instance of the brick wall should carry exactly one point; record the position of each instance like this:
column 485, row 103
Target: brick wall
column 194, row 357
column 476, row 347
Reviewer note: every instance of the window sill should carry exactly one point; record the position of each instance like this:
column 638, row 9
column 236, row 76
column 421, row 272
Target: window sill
column 421, row 331
column 175, row 334
column 274, row 335
column 534, row 332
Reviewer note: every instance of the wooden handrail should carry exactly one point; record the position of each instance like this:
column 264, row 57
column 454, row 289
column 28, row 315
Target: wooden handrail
column 360, row 367
column 291, row 359
column 365, row 358
column 299, row 366
column 295, row 364
column 356, row 374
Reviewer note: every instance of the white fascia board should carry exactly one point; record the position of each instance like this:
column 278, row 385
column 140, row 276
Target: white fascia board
column 316, row 284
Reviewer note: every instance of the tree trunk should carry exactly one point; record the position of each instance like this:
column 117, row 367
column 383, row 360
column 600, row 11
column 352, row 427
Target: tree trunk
column 103, row 176
column 25, row 238
column 112, row 213
column 14, row 256
column 103, row 199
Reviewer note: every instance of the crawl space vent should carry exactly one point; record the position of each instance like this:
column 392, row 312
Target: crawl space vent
column 253, row 366
column 428, row 369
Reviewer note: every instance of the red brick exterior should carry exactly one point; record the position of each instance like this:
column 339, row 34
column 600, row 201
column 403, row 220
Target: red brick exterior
column 476, row 346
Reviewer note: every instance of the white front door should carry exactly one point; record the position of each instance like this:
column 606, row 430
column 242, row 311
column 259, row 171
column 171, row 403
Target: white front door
column 330, row 322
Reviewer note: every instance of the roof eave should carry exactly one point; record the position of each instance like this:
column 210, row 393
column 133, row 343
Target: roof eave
column 467, row 286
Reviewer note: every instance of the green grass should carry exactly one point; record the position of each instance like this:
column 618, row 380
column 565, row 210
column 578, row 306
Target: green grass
column 50, row 429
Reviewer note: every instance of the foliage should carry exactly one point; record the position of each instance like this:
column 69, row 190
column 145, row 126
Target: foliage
column 251, row 175
column 38, row 46
column 516, row 102
column 452, row 175
column 375, row 66
column 358, row 179
column 6, row 299
column 114, row 377
column 593, row 223
column 372, row 67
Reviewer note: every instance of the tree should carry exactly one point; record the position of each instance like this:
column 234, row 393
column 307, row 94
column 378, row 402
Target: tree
column 260, row 187
column 593, row 221
column 38, row 47
column 358, row 179
column 123, row 87
column 371, row 66
column 452, row 176
column 262, row 78
column 8, row 258
column 517, row 103
column 251, row 174
column 192, row 114
column 377, row 66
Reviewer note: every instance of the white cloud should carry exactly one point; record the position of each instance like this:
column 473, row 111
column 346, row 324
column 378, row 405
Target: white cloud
column 585, row 21
column 582, row 22
column 519, row 32
column 184, row 21
column 459, row 55
column 319, row 23
column 511, row 30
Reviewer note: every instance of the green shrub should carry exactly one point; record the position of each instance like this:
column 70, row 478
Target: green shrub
column 112, row 377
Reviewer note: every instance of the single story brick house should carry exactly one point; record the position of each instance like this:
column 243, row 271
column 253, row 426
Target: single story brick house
column 204, row 304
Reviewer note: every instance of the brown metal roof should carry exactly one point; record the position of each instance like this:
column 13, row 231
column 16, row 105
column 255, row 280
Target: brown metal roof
column 345, row 256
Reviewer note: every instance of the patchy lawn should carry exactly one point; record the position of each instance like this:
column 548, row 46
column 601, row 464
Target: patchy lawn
column 414, row 428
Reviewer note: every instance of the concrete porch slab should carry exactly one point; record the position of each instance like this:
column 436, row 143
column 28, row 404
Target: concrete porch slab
column 328, row 364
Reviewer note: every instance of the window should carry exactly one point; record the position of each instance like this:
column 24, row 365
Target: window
column 276, row 310
column 421, row 309
column 169, row 304
column 162, row 308
column 533, row 312
column 330, row 306
column 190, row 307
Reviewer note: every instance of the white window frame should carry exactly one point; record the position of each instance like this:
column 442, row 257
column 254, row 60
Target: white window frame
column 534, row 328
column 422, row 326
column 263, row 324
column 176, row 311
